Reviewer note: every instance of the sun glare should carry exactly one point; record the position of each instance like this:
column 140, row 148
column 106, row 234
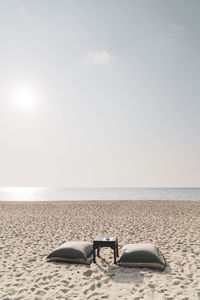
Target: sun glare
column 25, row 99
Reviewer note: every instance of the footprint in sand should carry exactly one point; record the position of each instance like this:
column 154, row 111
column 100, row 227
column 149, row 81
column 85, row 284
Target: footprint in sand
column 64, row 291
column 32, row 260
column 85, row 291
column 92, row 288
column 104, row 297
column 87, row 273
column 40, row 293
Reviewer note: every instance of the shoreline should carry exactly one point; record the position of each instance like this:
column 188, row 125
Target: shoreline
column 97, row 200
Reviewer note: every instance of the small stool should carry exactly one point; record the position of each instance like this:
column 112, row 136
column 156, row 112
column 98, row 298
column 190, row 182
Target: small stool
column 100, row 242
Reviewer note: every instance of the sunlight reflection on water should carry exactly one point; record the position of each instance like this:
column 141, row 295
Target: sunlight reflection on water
column 51, row 194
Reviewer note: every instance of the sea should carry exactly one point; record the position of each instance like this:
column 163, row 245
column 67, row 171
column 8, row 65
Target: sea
column 108, row 193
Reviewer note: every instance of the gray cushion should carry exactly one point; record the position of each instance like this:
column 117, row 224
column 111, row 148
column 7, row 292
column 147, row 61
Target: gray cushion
column 142, row 255
column 72, row 252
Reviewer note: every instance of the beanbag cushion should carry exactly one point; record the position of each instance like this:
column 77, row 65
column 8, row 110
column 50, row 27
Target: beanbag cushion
column 72, row 252
column 142, row 255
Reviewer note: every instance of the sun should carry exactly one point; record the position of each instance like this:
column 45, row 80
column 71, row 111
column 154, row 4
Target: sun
column 24, row 99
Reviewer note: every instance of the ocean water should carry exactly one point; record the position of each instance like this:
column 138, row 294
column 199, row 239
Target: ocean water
column 55, row 194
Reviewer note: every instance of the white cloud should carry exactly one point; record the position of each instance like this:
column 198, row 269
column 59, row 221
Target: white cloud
column 102, row 57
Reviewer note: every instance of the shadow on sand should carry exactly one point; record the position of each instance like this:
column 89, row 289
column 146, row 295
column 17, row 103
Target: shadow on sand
column 134, row 275
column 118, row 273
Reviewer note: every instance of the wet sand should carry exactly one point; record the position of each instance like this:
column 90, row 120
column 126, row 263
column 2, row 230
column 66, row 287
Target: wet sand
column 29, row 231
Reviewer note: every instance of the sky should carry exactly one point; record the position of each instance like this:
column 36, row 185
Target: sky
column 100, row 93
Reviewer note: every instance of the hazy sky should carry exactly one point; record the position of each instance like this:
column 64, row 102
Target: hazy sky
column 100, row 93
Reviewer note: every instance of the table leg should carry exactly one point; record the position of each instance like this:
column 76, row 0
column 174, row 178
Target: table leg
column 115, row 255
column 94, row 260
column 98, row 251
column 117, row 250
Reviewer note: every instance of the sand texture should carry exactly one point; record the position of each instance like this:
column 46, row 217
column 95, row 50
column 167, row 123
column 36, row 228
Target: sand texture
column 30, row 231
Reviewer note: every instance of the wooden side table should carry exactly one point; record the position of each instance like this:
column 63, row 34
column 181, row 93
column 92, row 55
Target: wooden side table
column 100, row 242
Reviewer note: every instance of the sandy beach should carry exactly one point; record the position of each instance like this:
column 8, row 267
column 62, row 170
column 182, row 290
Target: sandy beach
column 29, row 231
